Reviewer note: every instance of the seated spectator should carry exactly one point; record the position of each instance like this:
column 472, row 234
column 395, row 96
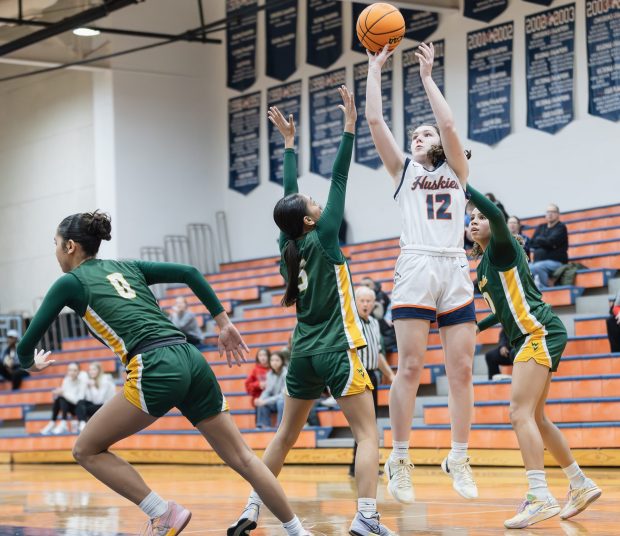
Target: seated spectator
column 613, row 325
column 549, row 247
column 382, row 312
column 271, row 399
column 514, row 224
column 66, row 397
column 502, row 355
column 186, row 322
column 99, row 389
column 257, row 379
column 10, row 368
column 497, row 203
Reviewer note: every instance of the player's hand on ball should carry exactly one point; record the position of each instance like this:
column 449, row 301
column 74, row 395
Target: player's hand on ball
column 232, row 344
column 286, row 128
column 348, row 108
column 40, row 360
column 378, row 60
column 426, row 55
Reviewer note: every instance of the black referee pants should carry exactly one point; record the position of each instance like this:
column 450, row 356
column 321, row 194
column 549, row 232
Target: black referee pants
column 374, row 376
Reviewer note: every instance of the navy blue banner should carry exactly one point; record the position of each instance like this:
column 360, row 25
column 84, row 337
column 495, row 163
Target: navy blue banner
column 549, row 61
column 415, row 102
column 326, row 120
column 603, row 37
column 287, row 98
column 324, row 31
column 365, row 152
column 281, row 40
column 241, row 43
column 540, row 2
column 489, row 83
column 484, row 10
column 420, row 25
column 357, row 8
column 243, row 142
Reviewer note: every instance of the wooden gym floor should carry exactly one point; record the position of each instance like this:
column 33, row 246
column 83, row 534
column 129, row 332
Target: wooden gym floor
column 53, row 500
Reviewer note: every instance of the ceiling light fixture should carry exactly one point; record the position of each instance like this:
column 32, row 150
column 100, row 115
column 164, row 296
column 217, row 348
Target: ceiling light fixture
column 86, row 32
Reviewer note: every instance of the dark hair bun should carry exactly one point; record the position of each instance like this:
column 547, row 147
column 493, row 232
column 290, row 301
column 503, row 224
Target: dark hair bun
column 98, row 224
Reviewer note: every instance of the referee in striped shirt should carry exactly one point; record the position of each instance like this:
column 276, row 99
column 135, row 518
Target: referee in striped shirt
column 373, row 356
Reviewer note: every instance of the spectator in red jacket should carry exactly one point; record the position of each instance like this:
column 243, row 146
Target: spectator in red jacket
column 257, row 379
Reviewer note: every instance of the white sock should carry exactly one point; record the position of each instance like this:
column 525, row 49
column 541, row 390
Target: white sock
column 458, row 451
column 153, row 505
column 575, row 474
column 255, row 499
column 400, row 450
column 294, row 527
column 367, row 506
column 538, row 484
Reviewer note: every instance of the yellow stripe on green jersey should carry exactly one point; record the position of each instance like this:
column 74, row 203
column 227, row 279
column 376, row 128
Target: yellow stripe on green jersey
column 515, row 296
column 105, row 333
column 352, row 326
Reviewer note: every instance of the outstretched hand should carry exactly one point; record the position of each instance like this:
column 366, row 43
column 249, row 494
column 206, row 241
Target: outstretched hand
column 348, row 108
column 286, row 128
column 378, row 60
column 426, row 55
column 40, row 360
column 230, row 341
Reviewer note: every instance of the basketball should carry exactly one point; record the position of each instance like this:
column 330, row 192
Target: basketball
column 378, row 25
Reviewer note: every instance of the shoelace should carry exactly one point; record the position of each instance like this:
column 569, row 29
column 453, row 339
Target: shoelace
column 402, row 475
column 465, row 471
column 523, row 506
column 157, row 527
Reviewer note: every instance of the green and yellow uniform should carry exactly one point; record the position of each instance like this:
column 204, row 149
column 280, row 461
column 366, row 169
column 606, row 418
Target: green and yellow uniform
column 115, row 302
column 506, row 283
column 328, row 331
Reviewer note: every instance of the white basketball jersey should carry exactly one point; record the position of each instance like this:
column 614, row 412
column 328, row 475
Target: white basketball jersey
column 432, row 207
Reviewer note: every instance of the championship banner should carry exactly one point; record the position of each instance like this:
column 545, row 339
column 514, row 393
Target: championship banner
column 324, row 31
column 365, row 152
column 281, row 38
column 549, row 61
column 241, row 43
column 484, row 10
column 489, row 83
column 415, row 102
column 287, row 98
column 540, row 2
column 243, row 142
column 357, row 9
column 326, row 120
column 419, row 25
column 603, row 38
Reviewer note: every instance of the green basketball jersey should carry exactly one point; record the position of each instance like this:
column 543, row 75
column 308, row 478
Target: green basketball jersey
column 327, row 319
column 121, row 310
column 513, row 296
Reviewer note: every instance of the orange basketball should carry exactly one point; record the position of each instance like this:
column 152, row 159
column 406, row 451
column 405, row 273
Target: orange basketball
column 378, row 25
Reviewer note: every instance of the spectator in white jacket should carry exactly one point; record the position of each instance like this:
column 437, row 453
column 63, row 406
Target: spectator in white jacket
column 99, row 389
column 271, row 399
column 66, row 398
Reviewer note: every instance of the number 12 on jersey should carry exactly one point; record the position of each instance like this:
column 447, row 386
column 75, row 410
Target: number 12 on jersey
column 437, row 206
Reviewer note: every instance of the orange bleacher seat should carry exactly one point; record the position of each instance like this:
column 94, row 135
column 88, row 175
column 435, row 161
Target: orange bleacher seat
column 250, row 263
column 594, row 325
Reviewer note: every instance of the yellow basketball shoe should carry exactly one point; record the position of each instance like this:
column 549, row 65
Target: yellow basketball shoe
column 579, row 498
column 533, row 510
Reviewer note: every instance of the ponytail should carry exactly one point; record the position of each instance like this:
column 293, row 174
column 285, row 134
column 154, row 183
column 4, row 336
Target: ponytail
column 292, row 260
column 289, row 214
